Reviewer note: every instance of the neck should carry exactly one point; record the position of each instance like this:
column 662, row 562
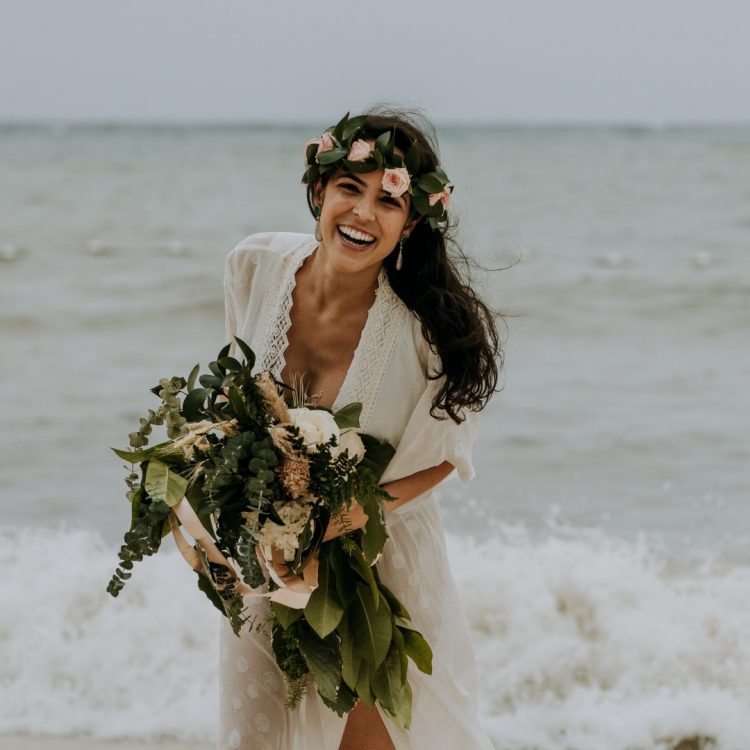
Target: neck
column 334, row 292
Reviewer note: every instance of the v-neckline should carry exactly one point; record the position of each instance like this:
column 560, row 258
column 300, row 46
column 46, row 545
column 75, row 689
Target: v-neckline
column 285, row 324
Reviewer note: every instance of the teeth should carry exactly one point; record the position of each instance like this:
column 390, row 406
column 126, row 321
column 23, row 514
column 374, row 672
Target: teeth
column 355, row 235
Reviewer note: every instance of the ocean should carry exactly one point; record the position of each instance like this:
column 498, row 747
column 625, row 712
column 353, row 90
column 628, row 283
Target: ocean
column 603, row 549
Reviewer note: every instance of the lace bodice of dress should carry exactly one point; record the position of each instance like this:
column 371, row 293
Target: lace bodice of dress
column 374, row 350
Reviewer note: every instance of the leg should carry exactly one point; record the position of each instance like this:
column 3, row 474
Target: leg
column 365, row 730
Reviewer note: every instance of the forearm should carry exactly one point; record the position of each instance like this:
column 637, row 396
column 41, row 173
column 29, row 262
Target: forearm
column 414, row 485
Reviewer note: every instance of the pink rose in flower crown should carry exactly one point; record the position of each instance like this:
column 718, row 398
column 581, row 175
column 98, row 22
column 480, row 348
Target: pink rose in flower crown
column 444, row 197
column 396, row 181
column 359, row 151
column 326, row 143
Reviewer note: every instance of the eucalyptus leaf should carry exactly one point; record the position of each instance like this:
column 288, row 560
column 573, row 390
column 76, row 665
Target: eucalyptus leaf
column 192, row 377
column 247, row 351
column 193, row 404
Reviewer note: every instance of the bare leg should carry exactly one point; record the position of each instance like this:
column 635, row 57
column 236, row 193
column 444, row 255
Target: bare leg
column 365, row 730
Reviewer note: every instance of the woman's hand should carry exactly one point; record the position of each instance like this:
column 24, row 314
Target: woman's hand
column 354, row 518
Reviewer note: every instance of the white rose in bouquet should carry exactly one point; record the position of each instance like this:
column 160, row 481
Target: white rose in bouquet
column 351, row 442
column 315, row 426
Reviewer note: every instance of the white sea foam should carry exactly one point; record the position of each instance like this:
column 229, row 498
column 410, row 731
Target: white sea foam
column 583, row 641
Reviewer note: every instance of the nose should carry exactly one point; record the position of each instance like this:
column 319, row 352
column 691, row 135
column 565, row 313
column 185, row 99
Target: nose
column 363, row 209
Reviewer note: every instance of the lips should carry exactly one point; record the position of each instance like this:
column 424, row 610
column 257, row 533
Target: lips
column 351, row 240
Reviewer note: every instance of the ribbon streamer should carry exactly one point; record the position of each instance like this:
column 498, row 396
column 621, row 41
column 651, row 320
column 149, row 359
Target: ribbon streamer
column 293, row 591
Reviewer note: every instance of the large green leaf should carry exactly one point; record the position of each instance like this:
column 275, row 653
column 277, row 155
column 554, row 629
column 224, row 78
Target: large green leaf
column 350, row 659
column 323, row 659
column 361, row 566
column 323, row 610
column 371, row 626
column 346, row 578
column 285, row 615
column 363, row 689
column 162, row 483
column 393, row 693
column 375, row 534
column 348, row 416
column 417, row 648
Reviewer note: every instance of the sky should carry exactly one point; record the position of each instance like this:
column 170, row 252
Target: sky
column 463, row 61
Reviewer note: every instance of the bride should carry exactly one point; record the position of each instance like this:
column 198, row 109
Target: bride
column 371, row 309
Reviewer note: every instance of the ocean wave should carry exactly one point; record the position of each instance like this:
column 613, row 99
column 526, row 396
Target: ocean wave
column 584, row 641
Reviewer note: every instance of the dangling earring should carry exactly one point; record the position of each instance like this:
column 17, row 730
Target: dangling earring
column 318, row 235
column 400, row 258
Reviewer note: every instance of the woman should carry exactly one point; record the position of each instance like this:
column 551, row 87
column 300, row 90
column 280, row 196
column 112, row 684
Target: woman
column 371, row 309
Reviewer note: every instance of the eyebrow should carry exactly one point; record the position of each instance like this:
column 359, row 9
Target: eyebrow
column 363, row 183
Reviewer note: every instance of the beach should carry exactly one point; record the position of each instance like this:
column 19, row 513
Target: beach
column 602, row 552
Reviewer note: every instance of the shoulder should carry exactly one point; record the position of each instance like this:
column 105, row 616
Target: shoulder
column 263, row 246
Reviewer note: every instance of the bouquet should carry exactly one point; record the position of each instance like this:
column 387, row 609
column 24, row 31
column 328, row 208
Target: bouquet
column 255, row 483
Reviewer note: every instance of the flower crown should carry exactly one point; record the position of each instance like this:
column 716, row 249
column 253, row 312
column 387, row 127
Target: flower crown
column 342, row 146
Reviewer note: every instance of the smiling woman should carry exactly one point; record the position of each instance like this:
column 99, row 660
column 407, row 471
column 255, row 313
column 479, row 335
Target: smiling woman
column 371, row 309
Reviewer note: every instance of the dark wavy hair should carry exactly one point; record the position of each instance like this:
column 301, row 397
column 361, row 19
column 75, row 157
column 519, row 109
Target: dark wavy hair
column 456, row 323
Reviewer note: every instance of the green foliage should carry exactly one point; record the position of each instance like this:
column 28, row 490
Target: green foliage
column 324, row 609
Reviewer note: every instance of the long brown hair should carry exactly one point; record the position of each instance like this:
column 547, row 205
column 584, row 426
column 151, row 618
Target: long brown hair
column 456, row 323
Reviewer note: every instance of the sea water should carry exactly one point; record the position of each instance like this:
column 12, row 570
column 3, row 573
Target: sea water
column 602, row 551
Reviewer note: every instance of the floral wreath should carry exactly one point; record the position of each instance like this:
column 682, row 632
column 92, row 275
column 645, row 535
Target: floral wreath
column 342, row 146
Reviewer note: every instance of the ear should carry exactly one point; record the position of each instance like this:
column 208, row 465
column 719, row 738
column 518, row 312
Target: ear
column 318, row 193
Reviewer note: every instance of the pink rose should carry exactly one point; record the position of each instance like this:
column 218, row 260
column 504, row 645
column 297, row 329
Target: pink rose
column 396, row 181
column 444, row 197
column 359, row 151
column 326, row 143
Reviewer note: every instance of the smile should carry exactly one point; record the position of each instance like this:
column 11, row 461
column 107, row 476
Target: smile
column 360, row 239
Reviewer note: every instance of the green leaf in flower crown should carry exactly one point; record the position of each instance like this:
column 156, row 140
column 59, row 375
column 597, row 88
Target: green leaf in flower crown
column 192, row 406
column 412, row 160
column 323, row 659
column 382, row 141
column 352, row 126
column 416, row 648
column 285, row 615
column 137, row 455
column 323, row 610
column 430, row 183
column 360, row 167
column 348, row 416
column 162, row 483
column 337, row 131
column 371, row 626
column 329, row 157
column 192, row 377
column 247, row 351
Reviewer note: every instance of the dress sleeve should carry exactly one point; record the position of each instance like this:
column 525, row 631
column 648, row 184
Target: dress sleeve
column 428, row 441
column 239, row 269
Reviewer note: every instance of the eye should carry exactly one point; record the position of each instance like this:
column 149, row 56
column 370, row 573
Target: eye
column 392, row 202
column 349, row 186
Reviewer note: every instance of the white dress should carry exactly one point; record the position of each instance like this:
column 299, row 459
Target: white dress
column 387, row 375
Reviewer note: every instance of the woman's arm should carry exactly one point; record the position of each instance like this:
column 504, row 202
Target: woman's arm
column 403, row 490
